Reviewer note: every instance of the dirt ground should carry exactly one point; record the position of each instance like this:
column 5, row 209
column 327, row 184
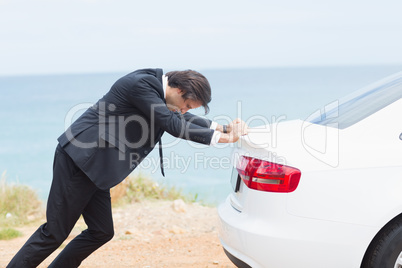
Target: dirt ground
column 148, row 234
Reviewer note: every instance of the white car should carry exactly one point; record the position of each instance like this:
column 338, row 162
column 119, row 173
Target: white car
column 322, row 192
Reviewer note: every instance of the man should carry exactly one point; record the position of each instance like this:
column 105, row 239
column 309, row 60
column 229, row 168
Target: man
column 105, row 145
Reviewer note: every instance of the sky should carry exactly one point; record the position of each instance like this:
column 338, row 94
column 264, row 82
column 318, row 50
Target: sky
column 75, row 36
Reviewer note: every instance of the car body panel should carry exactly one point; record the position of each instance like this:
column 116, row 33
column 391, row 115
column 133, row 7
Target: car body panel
column 350, row 185
column 292, row 241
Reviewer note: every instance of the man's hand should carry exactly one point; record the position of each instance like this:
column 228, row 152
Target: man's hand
column 235, row 129
column 235, row 124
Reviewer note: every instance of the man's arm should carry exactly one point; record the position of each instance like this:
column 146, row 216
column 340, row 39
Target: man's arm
column 195, row 119
column 234, row 130
column 144, row 95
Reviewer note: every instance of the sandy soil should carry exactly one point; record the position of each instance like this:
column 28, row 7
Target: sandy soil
column 148, row 234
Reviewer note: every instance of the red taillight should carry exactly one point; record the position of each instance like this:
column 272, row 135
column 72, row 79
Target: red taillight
column 262, row 175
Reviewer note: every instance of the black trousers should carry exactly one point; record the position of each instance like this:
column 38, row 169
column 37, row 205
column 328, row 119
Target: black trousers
column 72, row 194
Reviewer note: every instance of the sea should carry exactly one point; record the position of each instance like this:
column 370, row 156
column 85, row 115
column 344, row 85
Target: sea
column 35, row 110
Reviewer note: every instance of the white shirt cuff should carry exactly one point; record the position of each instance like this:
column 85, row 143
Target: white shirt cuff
column 215, row 138
column 213, row 125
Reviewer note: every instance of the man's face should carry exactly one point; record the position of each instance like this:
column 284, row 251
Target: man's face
column 175, row 102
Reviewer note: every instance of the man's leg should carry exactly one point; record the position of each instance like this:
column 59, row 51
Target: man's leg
column 98, row 217
column 69, row 194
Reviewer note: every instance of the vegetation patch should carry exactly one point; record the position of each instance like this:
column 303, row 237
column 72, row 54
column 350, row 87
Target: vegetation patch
column 138, row 188
column 9, row 233
column 19, row 204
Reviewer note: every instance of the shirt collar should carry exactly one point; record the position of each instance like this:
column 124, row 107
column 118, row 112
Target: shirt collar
column 164, row 84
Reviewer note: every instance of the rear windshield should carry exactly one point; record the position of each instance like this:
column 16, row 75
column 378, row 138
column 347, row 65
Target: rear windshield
column 362, row 103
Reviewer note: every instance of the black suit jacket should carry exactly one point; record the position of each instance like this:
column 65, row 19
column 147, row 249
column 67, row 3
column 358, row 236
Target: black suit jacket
column 112, row 137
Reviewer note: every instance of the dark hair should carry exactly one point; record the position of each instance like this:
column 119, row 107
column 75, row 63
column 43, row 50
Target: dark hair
column 194, row 85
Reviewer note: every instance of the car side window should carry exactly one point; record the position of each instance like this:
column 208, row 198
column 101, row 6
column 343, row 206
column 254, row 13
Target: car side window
column 362, row 103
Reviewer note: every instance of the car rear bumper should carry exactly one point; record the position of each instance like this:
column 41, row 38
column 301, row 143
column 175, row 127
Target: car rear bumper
column 291, row 241
column 238, row 262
